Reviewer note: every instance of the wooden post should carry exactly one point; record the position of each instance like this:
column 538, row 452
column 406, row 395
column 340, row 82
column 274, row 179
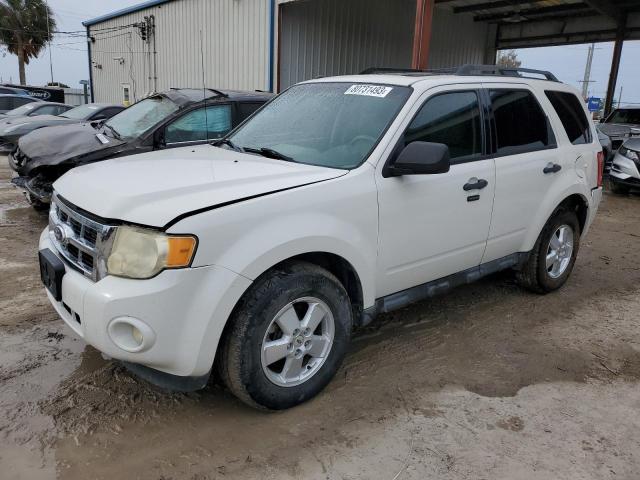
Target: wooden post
column 422, row 34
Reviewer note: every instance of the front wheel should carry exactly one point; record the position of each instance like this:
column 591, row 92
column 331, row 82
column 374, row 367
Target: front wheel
column 552, row 259
column 287, row 337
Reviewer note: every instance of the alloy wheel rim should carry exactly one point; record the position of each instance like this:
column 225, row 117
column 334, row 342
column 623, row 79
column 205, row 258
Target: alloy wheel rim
column 559, row 251
column 297, row 341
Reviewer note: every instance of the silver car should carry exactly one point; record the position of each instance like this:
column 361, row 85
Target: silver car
column 625, row 170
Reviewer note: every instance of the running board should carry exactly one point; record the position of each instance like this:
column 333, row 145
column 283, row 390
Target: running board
column 430, row 289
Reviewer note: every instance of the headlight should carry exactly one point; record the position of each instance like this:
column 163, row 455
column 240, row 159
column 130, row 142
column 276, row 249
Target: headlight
column 630, row 154
column 142, row 253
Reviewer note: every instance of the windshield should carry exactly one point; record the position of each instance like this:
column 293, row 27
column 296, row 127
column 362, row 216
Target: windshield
column 81, row 112
column 625, row 115
column 327, row 124
column 23, row 110
column 140, row 117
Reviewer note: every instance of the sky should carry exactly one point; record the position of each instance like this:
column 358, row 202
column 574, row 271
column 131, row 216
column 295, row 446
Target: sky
column 70, row 64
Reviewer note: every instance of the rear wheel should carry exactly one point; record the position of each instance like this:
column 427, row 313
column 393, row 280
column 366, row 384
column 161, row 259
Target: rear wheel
column 552, row 259
column 288, row 337
column 619, row 189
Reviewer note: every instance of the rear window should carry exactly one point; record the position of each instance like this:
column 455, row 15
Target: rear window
column 521, row 124
column 572, row 116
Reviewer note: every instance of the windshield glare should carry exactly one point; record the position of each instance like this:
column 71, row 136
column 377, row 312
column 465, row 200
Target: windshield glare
column 23, row 110
column 327, row 124
column 78, row 113
column 625, row 115
column 141, row 116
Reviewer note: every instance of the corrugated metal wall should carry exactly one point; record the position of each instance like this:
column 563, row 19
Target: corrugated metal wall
column 235, row 37
column 457, row 39
column 333, row 37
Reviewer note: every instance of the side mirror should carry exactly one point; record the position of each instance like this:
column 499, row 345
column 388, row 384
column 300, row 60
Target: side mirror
column 420, row 158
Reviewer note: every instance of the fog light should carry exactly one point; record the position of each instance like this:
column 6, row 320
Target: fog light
column 137, row 335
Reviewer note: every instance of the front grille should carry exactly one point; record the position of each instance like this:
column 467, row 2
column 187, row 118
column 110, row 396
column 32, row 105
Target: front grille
column 78, row 238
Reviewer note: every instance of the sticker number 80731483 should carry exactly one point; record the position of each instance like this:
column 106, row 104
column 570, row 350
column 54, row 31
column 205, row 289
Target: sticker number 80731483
column 369, row 90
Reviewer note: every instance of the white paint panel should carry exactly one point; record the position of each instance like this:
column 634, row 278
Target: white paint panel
column 235, row 36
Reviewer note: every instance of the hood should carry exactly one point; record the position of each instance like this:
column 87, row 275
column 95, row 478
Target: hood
column 26, row 124
column 5, row 119
column 154, row 188
column 54, row 145
column 633, row 144
column 619, row 129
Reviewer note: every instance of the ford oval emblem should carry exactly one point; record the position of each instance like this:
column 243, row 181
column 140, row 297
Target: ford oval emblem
column 59, row 233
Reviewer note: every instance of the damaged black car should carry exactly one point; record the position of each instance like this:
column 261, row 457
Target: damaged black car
column 175, row 118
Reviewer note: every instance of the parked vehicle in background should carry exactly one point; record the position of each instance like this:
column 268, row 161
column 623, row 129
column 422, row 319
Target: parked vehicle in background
column 175, row 118
column 342, row 198
column 622, row 123
column 13, row 91
column 625, row 170
column 34, row 108
column 607, row 149
column 11, row 101
column 12, row 130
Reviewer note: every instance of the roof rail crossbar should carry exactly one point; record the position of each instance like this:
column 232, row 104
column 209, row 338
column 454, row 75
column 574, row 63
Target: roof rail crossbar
column 505, row 71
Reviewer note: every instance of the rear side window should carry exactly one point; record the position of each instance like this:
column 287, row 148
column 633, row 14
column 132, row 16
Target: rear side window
column 572, row 116
column 521, row 124
column 245, row 109
column 449, row 118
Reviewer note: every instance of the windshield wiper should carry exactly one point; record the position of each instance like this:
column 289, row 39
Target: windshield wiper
column 116, row 135
column 269, row 153
column 229, row 143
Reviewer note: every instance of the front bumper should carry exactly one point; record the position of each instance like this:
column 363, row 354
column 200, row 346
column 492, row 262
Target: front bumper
column 181, row 314
column 39, row 189
column 625, row 171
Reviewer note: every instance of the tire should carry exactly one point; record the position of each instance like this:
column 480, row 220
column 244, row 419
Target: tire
column 619, row 189
column 535, row 275
column 37, row 205
column 265, row 316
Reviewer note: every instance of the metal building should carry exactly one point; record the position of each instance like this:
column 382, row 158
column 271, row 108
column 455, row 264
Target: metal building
column 271, row 44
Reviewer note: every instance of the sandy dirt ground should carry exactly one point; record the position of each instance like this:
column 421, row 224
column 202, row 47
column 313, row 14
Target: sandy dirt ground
column 488, row 382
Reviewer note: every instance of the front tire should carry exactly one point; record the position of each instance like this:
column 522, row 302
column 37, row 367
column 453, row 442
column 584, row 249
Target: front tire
column 552, row 259
column 287, row 337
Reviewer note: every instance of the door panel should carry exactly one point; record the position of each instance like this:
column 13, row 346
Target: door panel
column 525, row 144
column 429, row 226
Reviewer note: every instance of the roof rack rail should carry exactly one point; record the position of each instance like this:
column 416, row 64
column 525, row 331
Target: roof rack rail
column 467, row 70
column 504, row 71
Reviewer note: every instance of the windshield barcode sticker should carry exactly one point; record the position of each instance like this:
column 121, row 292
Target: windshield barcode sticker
column 369, row 90
column 102, row 138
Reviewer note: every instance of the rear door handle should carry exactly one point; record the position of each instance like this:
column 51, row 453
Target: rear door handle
column 552, row 168
column 475, row 184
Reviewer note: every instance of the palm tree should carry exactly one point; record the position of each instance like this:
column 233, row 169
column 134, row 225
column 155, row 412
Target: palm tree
column 24, row 29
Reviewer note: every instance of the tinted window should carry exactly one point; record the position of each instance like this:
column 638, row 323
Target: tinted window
column 246, row 109
column 625, row 115
column 193, row 126
column 452, row 119
column 521, row 125
column 6, row 103
column 19, row 101
column 572, row 116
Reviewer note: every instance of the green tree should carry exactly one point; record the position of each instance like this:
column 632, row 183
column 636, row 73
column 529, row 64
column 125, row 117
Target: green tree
column 508, row 58
column 24, row 29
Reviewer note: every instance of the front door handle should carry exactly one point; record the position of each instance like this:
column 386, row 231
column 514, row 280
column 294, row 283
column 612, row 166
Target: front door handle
column 475, row 184
column 552, row 168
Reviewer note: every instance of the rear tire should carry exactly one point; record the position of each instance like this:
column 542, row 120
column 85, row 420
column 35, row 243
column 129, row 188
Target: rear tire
column 553, row 256
column 619, row 189
column 287, row 337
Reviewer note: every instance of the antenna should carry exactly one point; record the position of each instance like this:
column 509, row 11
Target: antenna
column 204, row 90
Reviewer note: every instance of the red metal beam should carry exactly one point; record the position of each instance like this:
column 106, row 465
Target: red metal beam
column 422, row 34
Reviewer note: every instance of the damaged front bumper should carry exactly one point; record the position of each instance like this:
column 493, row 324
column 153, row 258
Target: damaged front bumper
column 37, row 188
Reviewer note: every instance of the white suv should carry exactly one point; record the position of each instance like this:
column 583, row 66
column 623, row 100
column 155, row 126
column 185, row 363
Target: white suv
column 340, row 199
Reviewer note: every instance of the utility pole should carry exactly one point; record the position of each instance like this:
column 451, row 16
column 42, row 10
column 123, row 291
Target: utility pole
column 620, row 97
column 587, row 72
column 49, row 46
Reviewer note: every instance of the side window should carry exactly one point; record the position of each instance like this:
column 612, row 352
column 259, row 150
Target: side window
column 6, row 103
column 245, row 109
column 449, row 118
column 18, row 102
column 193, row 126
column 46, row 110
column 572, row 116
column 521, row 124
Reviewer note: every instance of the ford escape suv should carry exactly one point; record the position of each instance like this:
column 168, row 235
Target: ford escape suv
column 342, row 198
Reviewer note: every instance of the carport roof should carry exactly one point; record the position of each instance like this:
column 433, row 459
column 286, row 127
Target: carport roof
column 532, row 23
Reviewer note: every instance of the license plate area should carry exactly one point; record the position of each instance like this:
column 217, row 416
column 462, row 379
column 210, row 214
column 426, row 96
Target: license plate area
column 51, row 272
